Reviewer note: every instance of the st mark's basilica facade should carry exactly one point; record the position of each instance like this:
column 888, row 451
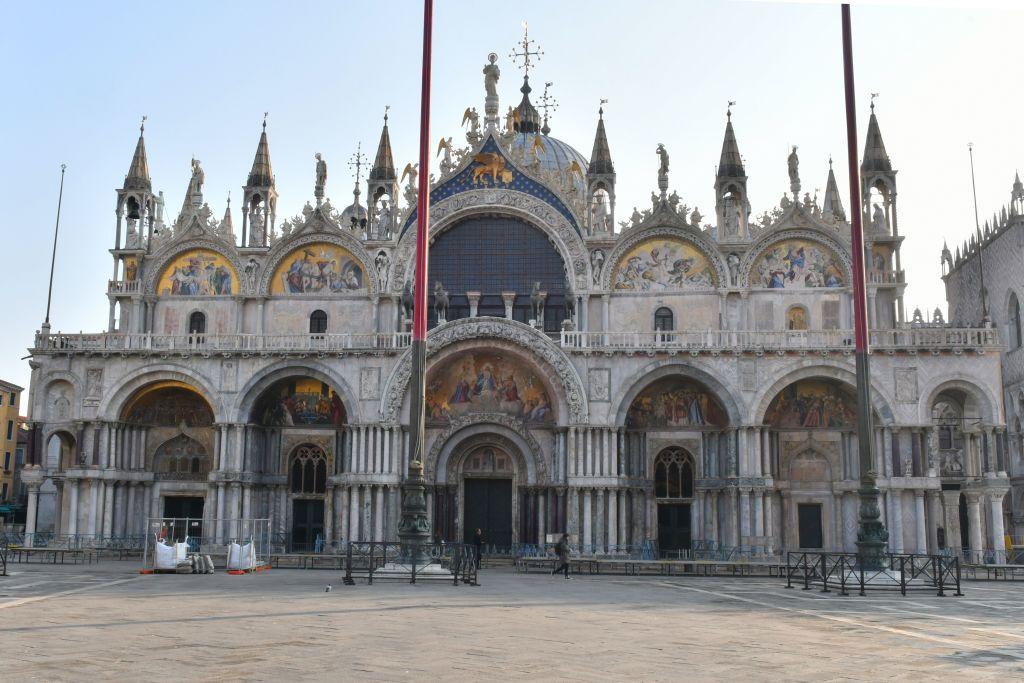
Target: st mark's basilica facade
column 633, row 377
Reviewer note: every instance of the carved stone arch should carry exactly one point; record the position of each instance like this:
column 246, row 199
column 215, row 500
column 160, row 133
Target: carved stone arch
column 536, row 212
column 809, row 452
column 339, row 238
column 172, row 250
column 657, row 369
column 813, row 234
column 986, row 401
column 635, row 237
column 114, row 401
column 824, row 369
column 43, row 399
column 262, row 380
column 68, row 448
column 535, row 344
column 469, row 431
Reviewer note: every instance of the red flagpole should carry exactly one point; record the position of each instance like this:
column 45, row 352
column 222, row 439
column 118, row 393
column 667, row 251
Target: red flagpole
column 871, row 536
column 414, row 526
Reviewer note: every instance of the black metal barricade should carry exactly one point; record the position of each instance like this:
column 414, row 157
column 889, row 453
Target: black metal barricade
column 401, row 561
column 895, row 571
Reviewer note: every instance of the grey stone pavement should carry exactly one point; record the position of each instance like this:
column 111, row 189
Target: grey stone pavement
column 105, row 621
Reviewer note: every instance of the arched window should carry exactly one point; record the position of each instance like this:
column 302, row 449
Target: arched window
column 317, row 322
column 309, row 470
column 796, row 318
column 664, row 321
column 197, row 323
column 1014, row 323
column 673, row 474
column 497, row 255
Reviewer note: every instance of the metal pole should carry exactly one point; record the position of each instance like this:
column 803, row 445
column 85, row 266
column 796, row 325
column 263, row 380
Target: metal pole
column 53, row 257
column 414, row 526
column 871, row 536
column 981, row 241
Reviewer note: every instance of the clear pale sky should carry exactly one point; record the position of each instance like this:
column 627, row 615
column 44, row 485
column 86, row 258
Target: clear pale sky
column 80, row 75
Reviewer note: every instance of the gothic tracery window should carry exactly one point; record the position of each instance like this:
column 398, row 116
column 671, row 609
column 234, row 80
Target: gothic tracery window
column 1014, row 323
column 308, row 473
column 673, row 474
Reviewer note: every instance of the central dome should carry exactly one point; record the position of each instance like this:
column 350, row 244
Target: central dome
column 552, row 155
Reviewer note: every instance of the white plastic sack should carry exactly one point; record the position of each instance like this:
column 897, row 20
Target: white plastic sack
column 165, row 556
column 233, row 552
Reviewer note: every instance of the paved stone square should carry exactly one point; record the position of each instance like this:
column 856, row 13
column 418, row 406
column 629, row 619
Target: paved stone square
column 107, row 622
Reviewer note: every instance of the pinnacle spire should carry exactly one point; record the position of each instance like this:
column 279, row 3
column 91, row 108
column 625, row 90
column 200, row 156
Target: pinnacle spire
column 383, row 164
column 731, row 163
column 227, row 222
column 138, row 172
column 832, row 206
column 261, row 175
column 875, row 156
column 601, row 157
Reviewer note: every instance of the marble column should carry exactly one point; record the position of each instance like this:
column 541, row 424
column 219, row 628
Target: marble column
column 131, row 516
column 108, row 509
column 474, row 303
column 623, row 533
column 343, row 515
column 587, row 542
column 744, row 516
column 572, row 517
column 998, row 531
column 922, row 523
column 30, row 513
column 974, row 525
column 509, row 298
column 378, row 521
column 759, row 514
column 542, row 499
column 329, row 516
column 896, row 520
column 221, row 508
column 600, row 522
column 353, row 515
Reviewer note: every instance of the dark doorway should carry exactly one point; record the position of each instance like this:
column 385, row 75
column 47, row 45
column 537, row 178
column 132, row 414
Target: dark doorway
column 187, row 511
column 809, row 525
column 307, row 525
column 488, row 507
column 673, row 527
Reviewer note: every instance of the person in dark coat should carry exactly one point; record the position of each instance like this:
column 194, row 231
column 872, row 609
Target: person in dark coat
column 562, row 552
column 478, row 542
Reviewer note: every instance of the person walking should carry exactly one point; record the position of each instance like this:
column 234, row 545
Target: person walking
column 478, row 542
column 562, row 552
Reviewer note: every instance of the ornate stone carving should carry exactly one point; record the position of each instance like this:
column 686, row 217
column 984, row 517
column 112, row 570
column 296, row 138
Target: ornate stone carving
column 906, row 385
column 369, row 384
column 467, row 329
column 509, row 422
column 599, row 381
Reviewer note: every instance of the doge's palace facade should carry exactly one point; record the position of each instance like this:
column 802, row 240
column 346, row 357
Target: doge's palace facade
column 667, row 380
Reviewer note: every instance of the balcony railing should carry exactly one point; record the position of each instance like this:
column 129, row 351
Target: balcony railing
column 885, row 277
column 123, row 286
column 114, row 342
column 786, row 340
column 922, row 338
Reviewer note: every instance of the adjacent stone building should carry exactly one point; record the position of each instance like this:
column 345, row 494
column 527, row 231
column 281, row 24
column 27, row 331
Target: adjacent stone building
column 992, row 260
column 669, row 379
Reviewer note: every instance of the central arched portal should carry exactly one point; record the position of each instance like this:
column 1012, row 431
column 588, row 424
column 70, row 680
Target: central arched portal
column 487, row 484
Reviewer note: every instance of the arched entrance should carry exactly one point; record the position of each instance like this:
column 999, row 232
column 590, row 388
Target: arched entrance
column 307, row 481
column 487, row 485
column 673, row 491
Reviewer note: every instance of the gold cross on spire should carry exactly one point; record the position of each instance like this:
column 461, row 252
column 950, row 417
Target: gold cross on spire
column 527, row 53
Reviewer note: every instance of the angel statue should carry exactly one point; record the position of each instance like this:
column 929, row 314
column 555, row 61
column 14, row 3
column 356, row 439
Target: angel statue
column 445, row 147
column 793, row 162
column 474, row 120
column 195, row 185
column 511, row 119
column 412, row 171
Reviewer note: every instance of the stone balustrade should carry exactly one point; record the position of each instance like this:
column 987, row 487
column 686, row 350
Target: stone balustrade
column 123, row 286
column 117, row 342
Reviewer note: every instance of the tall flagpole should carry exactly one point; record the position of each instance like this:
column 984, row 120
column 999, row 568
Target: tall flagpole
column 981, row 242
column 414, row 527
column 53, row 256
column 871, row 536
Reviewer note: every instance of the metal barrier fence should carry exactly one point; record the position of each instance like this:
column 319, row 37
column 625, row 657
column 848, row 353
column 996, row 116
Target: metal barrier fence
column 902, row 572
column 3, row 561
column 222, row 535
column 41, row 539
column 365, row 559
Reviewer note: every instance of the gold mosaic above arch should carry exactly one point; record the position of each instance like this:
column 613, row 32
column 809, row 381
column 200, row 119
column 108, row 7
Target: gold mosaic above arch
column 663, row 263
column 198, row 272
column 798, row 264
column 319, row 268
